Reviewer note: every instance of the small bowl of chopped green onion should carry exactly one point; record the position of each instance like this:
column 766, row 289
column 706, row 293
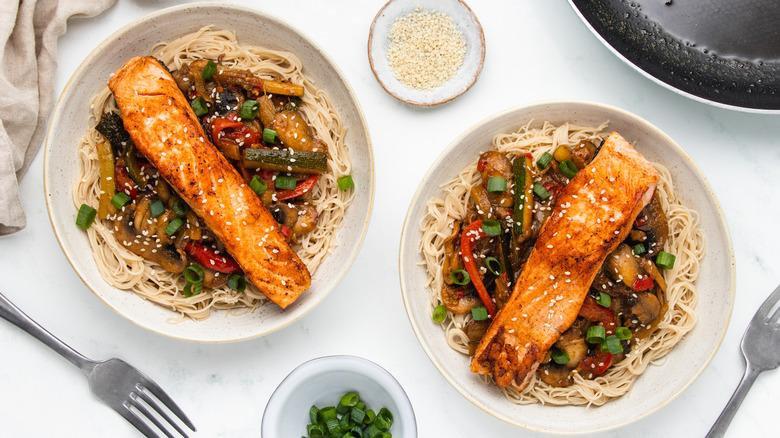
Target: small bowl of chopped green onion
column 338, row 396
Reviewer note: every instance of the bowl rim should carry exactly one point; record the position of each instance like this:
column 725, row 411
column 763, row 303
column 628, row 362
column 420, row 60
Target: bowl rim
column 405, row 287
column 410, row 101
column 351, row 363
column 58, row 111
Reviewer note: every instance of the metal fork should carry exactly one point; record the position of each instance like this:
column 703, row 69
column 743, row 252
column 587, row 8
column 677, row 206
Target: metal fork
column 114, row 381
column 761, row 348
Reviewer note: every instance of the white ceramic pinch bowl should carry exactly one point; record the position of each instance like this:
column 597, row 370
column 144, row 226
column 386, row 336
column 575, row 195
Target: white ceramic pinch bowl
column 70, row 121
column 322, row 382
column 464, row 78
column 661, row 382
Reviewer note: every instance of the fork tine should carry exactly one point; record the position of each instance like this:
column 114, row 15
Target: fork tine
column 149, row 416
column 167, row 401
column 159, row 410
column 139, row 424
column 770, row 302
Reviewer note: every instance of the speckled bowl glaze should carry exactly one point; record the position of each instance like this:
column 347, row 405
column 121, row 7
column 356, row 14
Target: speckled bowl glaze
column 70, row 122
column 322, row 382
column 466, row 76
column 659, row 384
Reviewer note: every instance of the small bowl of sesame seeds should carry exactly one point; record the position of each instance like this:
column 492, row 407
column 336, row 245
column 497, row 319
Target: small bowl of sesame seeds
column 426, row 52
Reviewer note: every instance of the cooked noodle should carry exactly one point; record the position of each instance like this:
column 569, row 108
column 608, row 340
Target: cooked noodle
column 686, row 241
column 125, row 270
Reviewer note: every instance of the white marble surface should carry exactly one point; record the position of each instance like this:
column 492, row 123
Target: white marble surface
column 536, row 50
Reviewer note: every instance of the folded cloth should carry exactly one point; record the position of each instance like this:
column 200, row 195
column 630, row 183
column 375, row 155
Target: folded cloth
column 29, row 30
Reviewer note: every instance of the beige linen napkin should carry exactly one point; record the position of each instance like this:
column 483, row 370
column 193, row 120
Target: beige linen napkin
column 29, row 30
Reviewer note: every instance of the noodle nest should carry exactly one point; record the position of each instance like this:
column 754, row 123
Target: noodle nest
column 124, row 270
column 686, row 241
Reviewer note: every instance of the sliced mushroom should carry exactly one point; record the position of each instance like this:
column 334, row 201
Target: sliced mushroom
column 452, row 258
column 283, row 214
column 267, row 111
column 482, row 201
column 496, row 164
column 213, row 279
column 475, row 330
column 228, row 100
column 293, row 131
column 573, row 344
column 582, row 154
column 169, row 257
column 654, row 224
column 623, row 266
column 307, row 219
column 142, row 218
column 457, row 301
column 555, row 375
column 162, row 222
column 645, row 308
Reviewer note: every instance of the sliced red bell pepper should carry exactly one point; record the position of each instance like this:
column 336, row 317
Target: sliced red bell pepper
column 640, row 221
column 300, row 188
column 123, row 182
column 593, row 311
column 285, row 231
column 597, row 364
column 644, row 283
column 220, row 124
column 246, row 135
column 210, row 259
column 471, row 233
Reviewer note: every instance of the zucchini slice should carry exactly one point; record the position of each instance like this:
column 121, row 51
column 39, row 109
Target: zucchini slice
column 284, row 161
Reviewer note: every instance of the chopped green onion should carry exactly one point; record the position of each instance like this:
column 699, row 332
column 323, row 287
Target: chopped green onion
column 559, row 356
column 595, row 334
column 387, row 416
column 479, row 313
column 349, row 399
column 314, row 413
column 193, row 274
column 496, row 184
column 192, row 289
column 209, row 70
column 494, row 266
column 249, row 109
column 237, row 282
column 613, row 344
column 439, row 313
column 544, row 160
column 285, row 182
column 491, row 227
column 269, row 136
column 357, row 415
column 345, row 182
column 604, row 300
column 541, row 192
column 156, row 208
column 120, row 200
column 315, row 431
column 258, row 185
column 328, row 413
column 370, row 416
column 460, row 277
column 174, row 226
column 638, row 249
column 665, row 260
column 85, row 216
column 180, row 207
column 199, row 106
column 372, row 431
column 623, row 333
column 568, row 168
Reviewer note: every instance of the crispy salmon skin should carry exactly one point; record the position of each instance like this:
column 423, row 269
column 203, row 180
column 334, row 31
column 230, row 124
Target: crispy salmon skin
column 165, row 129
column 593, row 214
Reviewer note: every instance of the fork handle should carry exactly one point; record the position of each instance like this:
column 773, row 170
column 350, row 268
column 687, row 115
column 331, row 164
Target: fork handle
column 724, row 420
column 15, row 316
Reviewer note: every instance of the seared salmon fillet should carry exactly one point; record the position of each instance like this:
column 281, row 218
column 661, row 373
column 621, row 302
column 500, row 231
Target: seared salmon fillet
column 165, row 129
column 594, row 213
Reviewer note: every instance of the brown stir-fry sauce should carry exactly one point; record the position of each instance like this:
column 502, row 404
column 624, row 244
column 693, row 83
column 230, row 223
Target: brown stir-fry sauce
column 627, row 298
column 256, row 124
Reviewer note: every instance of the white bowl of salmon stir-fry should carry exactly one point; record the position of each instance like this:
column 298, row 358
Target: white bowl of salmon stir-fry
column 209, row 173
column 563, row 256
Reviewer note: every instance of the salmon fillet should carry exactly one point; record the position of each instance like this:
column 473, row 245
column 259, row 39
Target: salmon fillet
column 165, row 129
column 594, row 213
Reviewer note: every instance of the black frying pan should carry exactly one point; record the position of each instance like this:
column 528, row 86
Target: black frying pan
column 723, row 51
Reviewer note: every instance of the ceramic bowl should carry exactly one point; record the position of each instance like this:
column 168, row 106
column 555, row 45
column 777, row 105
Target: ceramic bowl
column 322, row 382
column 659, row 384
column 70, row 121
column 466, row 76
